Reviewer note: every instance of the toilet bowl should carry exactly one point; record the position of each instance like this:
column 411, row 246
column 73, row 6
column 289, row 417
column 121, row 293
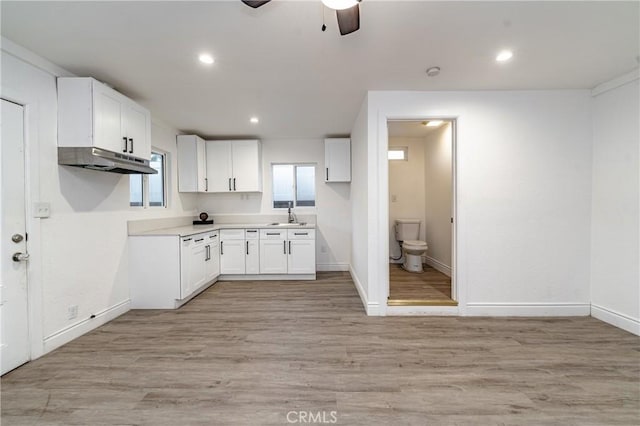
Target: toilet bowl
column 413, row 251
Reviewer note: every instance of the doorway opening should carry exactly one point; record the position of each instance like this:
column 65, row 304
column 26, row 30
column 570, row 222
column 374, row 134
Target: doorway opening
column 421, row 155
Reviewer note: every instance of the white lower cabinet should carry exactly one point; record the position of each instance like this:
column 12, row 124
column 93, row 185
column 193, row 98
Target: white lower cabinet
column 288, row 251
column 165, row 271
column 232, row 257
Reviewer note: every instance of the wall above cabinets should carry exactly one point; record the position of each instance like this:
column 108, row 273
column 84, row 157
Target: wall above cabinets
column 219, row 166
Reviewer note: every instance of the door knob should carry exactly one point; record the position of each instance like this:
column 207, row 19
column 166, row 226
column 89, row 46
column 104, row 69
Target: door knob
column 16, row 238
column 20, row 257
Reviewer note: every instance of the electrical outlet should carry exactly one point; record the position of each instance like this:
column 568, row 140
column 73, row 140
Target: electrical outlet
column 394, row 198
column 41, row 210
column 73, row 312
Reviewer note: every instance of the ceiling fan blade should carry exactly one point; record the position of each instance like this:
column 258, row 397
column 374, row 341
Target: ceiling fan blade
column 348, row 20
column 255, row 4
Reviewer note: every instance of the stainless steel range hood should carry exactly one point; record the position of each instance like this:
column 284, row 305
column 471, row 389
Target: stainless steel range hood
column 103, row 160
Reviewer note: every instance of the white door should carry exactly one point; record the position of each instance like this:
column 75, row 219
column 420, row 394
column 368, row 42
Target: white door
column 247, row 173
column 109, row 131
column 252, row 263
column 232, row 257
column 302, row 256
column 14, row 329
column 219, row 166
column 136, row 131
column 273, row 256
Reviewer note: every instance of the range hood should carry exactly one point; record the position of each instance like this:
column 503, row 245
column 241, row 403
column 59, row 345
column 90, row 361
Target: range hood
column 103, row 160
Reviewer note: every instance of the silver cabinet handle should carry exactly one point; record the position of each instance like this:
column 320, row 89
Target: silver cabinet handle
column 300, row 233
column 247, row 247
column 221, row 248
column 131, row 149
column 126, row 147
column 289, row 246
column 229, row 184
column 327, row 173
column 206, row 184
column 234, row 184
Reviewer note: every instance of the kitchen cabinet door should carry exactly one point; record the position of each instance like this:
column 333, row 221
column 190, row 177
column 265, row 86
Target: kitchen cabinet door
column 212, row 262
column 337, row 159
column 247, row 166
column 191, row 164
column 108, row 110
column 232, row 256
column 273, row 256
column 218, row 166
column 192, row 265
column 302, row 256
column 136, row 123
column 252, row 263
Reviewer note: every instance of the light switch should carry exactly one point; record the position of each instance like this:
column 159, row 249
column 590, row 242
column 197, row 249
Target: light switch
column 41, row 210
column 394, row 198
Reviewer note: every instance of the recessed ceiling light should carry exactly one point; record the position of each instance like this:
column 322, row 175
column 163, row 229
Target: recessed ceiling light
column 433, row 71
column 432, row 123
column 504, row 56
column 205, row 58
column 339, row 4
column 254, row 120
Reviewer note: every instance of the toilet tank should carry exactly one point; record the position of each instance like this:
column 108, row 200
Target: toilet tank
column 407, row 229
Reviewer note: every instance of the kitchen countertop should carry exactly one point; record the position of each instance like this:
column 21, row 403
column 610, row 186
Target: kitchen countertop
column 183, row 231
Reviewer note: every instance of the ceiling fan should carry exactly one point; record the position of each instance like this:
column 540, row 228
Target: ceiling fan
column 347, row 12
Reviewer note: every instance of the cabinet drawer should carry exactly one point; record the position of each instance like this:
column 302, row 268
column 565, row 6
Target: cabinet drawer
column 251, row 234
column 232, row 234
column 273, row 234
column 301, row 234
column 213, row 238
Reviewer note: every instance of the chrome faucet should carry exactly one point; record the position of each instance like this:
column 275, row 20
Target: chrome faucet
column 292, row 216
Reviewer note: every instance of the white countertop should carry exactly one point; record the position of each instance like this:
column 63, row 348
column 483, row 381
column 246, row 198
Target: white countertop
column 182, row 231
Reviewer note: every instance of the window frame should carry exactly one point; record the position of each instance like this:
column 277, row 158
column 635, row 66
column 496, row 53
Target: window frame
column 404, row 149
column 295, row 185
column 146, row 201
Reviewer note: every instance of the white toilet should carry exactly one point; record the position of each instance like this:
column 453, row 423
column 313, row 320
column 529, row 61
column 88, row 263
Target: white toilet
column 407, row 234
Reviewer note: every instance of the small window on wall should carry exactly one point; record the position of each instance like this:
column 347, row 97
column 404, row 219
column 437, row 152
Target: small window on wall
column 294, row 185
column 398, row 153
column 150, row 190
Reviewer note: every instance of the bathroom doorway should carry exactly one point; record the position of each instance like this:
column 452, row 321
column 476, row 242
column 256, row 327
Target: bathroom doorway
column 421, row 212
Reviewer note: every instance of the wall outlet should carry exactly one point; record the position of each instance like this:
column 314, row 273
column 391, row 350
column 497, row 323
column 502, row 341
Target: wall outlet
column 394, row 198
column 72, row 312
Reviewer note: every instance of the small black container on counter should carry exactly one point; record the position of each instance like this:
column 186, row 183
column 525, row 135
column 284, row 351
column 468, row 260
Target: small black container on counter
column 203, row 220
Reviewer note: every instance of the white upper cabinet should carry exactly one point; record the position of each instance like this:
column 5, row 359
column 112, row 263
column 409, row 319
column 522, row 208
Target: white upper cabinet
column 191, row 164
column 234, row 166
column 91, row 114
column 337, row 160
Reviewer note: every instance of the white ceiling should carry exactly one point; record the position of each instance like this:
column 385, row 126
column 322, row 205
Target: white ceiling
column 275, row 63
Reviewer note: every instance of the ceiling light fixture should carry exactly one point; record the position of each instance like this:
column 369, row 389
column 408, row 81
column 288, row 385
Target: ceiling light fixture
column 205, row 58
column 254, row 120
column 433, row 71
column 504, row 56
column 339, row 4
column 432, row 123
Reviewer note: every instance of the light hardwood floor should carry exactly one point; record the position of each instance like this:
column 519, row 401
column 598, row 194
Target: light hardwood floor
column 428, row 285
column 248, row 353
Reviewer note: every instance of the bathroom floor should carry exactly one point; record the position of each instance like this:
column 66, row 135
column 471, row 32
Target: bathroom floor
column 430, row 285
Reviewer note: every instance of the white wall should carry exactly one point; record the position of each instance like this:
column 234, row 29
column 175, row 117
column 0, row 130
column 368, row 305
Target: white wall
column 523, row 201
column 333, row 205
column 407, row 185
column 360, row 225
column 79, row 254
column 438, row 188
column 615, row 227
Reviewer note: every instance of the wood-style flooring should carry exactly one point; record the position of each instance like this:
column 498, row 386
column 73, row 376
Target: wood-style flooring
column 250, row 353
column 429, row 285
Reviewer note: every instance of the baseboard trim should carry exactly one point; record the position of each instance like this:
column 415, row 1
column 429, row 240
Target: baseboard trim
column 267, row 277
column 76, row 330
column 332, row 267
column 528, row 309
column 371, row 308
column 437, row 265
column 422, row 310
column 616, row 319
